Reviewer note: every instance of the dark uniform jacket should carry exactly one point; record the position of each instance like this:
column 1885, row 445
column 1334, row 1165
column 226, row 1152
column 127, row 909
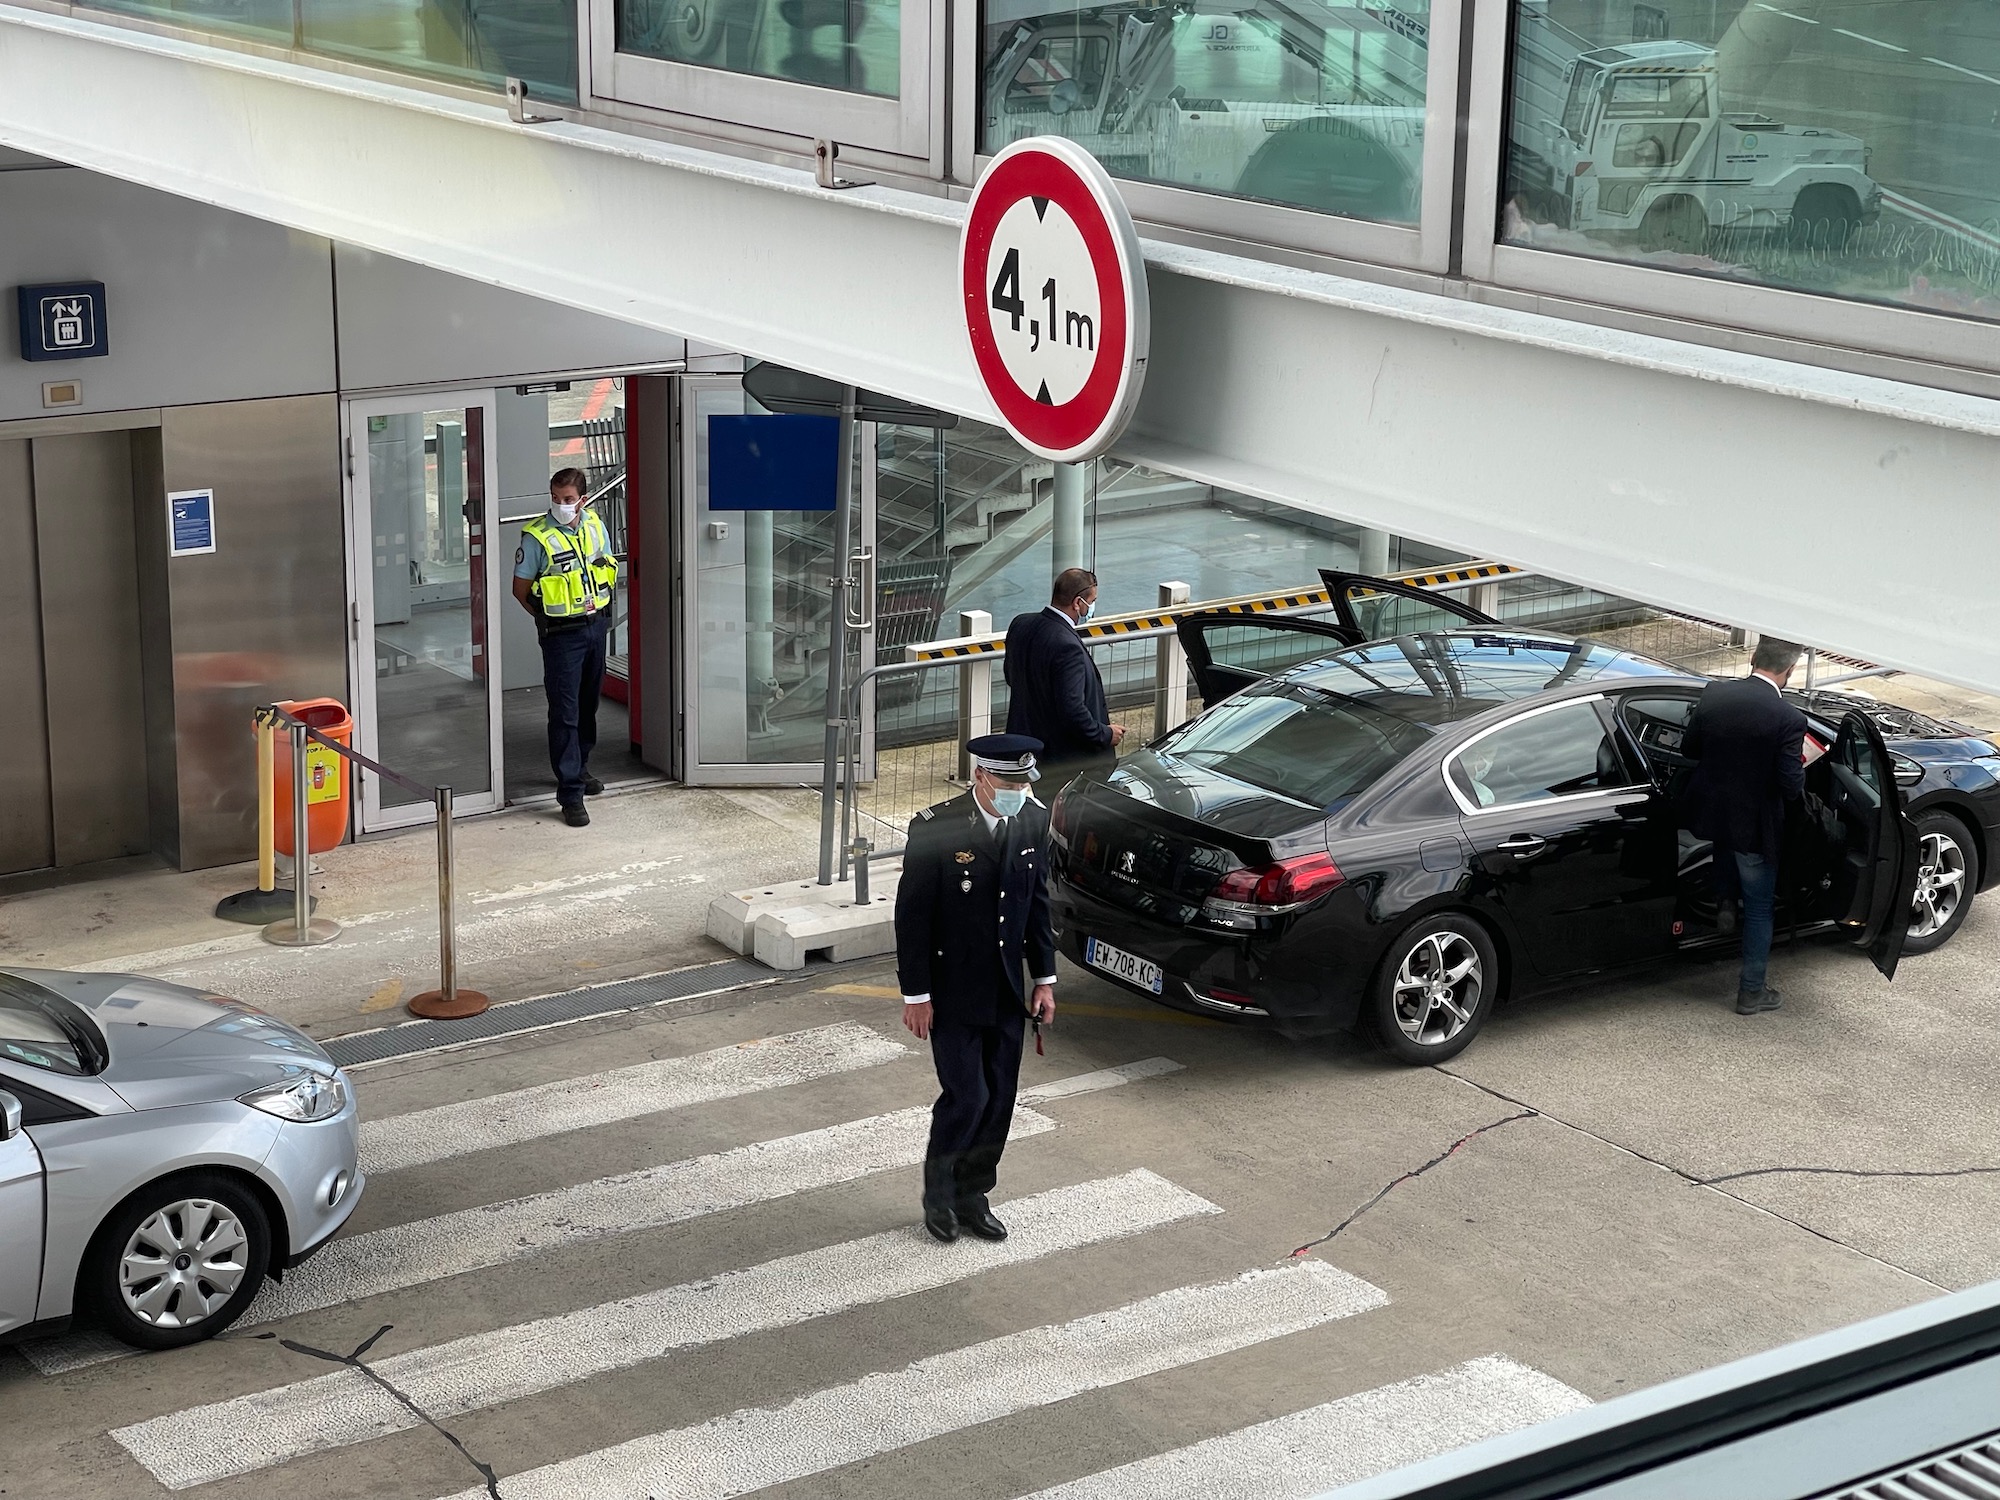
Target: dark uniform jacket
column 1056, row 695
column 967, row 914
column 1746, row 742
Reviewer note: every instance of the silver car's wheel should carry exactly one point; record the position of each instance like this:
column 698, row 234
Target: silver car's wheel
column 1947, row 875
column 1435, row 988
column 183, row 1264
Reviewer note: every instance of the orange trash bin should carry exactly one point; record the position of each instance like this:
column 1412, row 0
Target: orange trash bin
column 327, row 776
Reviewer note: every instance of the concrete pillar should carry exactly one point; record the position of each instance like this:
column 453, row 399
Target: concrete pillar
column 975, row 690
column 1072, row 484
column 1170, row 666
column 1374, row 558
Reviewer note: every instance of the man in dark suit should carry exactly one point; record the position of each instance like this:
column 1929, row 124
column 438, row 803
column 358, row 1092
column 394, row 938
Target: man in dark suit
column 1057, row 696
column 1747, row 743
column 971, row 905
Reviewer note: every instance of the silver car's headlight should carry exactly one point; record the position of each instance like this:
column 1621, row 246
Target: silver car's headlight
column 310, row 1096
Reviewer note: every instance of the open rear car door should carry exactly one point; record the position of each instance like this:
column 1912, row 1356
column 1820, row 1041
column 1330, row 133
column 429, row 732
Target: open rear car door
column 1379, row 610
column 1230, row 652
column 1864, row 774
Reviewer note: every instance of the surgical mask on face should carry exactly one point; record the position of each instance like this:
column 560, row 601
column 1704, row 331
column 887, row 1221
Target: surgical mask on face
column 1089, row 610
column 1008, row 800
column 565, row 514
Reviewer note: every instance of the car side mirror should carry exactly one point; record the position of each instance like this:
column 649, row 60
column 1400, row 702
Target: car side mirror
column 1908, row 772
column 10, row 1117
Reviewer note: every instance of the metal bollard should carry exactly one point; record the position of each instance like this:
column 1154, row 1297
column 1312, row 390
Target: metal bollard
column 303, row 930
column 861, row 849
column 975, row 691
column 1170, row 675
column 447, row 1001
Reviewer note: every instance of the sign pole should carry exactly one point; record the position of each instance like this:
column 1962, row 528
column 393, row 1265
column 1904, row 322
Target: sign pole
column 836, row 658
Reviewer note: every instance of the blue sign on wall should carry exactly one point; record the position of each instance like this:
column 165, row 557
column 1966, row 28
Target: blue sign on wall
column 63, row 322
column 190, row 522
column 773, row 463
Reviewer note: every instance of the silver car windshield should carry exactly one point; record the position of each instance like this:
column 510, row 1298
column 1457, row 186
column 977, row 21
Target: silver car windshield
column 41, row 1029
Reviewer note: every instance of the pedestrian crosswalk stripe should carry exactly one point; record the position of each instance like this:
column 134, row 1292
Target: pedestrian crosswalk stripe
column 207, row 1443
column 406, row 1255
column 760, row 1446
column 448, row 1130
column 1344, row 1441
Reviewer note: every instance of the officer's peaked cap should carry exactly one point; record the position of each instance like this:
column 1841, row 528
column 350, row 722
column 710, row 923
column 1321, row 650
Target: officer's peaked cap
column 1006, row 754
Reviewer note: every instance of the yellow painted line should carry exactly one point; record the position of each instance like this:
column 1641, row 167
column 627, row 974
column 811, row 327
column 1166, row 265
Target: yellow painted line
column 872, row 991
column 391, row 993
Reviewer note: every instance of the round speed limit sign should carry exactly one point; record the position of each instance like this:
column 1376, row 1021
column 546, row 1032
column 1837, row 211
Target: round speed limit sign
column 1055, row 298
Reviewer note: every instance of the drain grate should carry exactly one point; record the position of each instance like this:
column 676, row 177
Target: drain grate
column 1968, row 1473
column 411, row 1037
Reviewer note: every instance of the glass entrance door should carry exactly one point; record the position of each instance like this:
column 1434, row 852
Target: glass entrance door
column 425, row 601
column 757, row 618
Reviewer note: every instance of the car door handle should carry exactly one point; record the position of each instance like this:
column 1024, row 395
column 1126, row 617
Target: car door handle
column 1524, row 845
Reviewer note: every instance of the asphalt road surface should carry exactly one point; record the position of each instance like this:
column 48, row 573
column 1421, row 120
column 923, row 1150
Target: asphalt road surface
column 677, row 1253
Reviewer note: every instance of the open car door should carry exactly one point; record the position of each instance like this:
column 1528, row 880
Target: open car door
column 1864, row 772
column 1229, row 652
column 1376, row 609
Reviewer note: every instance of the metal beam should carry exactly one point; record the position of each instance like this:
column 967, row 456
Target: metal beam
column 1847, row 511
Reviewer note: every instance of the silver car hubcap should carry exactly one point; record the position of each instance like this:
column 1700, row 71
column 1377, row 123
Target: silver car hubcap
column 183, row 1263
column 1940, row 884
column 1438, row 988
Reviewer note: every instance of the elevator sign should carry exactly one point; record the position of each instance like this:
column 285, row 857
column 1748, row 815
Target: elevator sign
column 62, row 322
column 1055, row 298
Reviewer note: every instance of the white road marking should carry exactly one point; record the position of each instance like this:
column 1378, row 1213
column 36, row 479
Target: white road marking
column 448, row 1130
column 225, row 1438
column 406, row 1255
column 757, row 1446
column 1871, row 41
column 1342, row 1442
column 1090, row 1083
column 572, row 882
column 1788, row 15
column 1982, row 77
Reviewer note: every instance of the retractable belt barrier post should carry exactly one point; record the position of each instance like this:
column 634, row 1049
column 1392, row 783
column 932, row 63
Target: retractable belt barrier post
column 265, row 903
column 448, row 1000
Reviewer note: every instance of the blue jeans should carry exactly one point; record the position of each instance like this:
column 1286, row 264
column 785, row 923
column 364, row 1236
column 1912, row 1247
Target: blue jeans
column 572, row 673
column 1757, row 882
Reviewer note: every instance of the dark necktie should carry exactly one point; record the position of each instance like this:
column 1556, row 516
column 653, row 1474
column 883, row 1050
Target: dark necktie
column 1000, row 835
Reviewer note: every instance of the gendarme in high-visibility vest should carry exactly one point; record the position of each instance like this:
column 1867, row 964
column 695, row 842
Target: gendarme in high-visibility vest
column 570, row 582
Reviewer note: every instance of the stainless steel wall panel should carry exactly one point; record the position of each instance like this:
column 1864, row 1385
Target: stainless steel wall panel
column 156, row 641
column 27, row 836
column 90, row 645
column 265, row 615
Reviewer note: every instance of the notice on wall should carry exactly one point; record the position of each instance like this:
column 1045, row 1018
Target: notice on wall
column 190, row 522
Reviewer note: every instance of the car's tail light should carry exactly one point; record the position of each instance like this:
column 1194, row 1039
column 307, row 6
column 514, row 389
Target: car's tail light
column 1254, row 891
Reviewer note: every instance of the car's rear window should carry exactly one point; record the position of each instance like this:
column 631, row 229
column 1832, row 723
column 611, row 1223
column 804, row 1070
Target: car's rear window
column 1315, row 747
column 41, row 1029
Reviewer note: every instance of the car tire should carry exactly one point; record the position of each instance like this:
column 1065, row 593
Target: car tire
column 1825, row 216
column 1946, row 879
column 178, row 1261
column 1678, row 225
column 1422, row 1015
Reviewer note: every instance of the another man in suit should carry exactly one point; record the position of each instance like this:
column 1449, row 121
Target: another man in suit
column 1748, row 746
column 972, row 904
column 1057, row 696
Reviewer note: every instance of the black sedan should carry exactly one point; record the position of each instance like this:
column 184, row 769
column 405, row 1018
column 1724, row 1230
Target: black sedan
column 1397, row 818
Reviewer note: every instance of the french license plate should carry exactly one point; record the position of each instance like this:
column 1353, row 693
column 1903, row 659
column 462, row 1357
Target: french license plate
column 1122, row 965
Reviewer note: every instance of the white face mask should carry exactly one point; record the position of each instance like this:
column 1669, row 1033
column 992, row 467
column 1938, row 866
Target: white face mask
column 1089, row 610
column 1009, row 800
column 565, row 514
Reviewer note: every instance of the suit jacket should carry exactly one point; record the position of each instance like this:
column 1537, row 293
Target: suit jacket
column 1056, row 694
column 1746, row 742
column 968, row 914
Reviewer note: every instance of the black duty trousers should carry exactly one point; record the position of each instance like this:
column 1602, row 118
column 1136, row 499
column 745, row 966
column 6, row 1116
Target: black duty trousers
column 978, row 1069
column 572, row 674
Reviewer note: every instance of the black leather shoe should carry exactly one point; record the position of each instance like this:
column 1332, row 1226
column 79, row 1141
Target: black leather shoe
column 592, row 786
column 941, row 1224
column 980, row 1221
column 1756, row 1002
column 577, row 816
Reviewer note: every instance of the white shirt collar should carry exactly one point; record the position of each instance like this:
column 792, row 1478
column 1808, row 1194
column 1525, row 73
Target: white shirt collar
column 1064, row 615
column 1768, row 683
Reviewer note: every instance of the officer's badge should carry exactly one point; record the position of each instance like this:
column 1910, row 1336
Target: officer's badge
column 966, row 885
column 964, row 856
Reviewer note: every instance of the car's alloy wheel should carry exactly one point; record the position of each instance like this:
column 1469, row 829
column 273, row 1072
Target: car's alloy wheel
column 178, row 1261
column 1947, row 872
column 1435, row 988
column 183, row 1264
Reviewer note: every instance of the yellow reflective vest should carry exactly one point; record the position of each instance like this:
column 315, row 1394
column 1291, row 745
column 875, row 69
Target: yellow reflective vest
column 577, row 568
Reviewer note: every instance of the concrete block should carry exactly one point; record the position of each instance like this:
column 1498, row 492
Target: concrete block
column 780, row 924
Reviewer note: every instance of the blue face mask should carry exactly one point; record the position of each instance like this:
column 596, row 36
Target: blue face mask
column 1089, row 610
column 1007, row 801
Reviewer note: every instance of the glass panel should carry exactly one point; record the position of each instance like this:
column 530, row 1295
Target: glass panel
column 1298, row 742
column 1259, row 648
column 1381, row 617
column 479, row 43
column 1851, row 150
column 1301, row 104
column 427, row 503
column 1551, row 755
column 852, row 45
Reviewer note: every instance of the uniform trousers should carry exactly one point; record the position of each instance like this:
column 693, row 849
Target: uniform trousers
column 978, row 1069
column 572, row 674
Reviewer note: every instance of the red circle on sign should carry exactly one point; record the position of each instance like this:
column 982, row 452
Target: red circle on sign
column 1068, row 176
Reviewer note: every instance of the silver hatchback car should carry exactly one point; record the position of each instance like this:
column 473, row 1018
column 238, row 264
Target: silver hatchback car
column 161, row 1152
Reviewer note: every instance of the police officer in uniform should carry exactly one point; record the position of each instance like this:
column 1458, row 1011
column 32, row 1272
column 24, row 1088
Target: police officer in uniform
column 971, row 906
column 563, row 575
